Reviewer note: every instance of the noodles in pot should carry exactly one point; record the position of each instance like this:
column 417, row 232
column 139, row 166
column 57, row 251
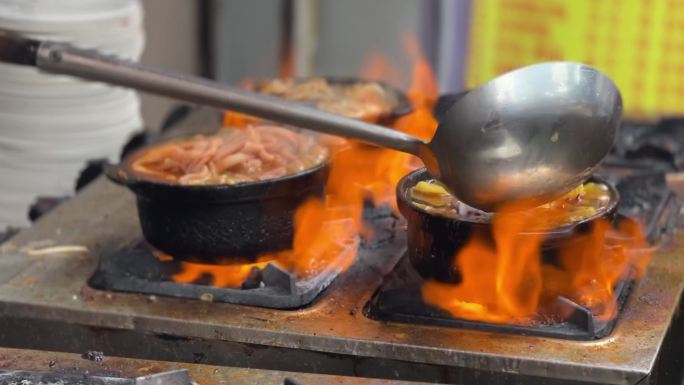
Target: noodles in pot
column 231, row 156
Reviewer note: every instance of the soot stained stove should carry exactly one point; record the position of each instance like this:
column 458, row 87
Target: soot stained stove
column 637, row 167
column 137, row 269
column 46, row 303
column 399, row 300
column 644, row 198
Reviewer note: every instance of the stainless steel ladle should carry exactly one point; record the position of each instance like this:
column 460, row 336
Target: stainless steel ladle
column 529, row 135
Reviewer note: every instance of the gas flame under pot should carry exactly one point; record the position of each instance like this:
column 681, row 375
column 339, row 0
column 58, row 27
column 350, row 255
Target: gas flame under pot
column 434, row 240
column 221, row 224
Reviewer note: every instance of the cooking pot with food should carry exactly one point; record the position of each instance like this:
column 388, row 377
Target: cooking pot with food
column 439, row 226
column 227, row 197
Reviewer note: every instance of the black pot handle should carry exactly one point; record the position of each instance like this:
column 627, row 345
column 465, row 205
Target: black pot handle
column 118, row 175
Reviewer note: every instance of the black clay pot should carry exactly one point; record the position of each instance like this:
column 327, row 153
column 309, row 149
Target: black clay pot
column 220, row 223
column 434, row 240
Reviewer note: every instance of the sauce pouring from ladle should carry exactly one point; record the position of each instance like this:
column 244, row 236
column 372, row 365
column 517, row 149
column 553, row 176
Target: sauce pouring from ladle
column 529, row 135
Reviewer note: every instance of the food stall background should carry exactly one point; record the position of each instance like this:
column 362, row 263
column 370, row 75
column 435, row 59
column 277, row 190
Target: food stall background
column 638, row 43
column 233, row 40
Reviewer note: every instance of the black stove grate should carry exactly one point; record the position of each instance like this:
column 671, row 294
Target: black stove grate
column 642, row 198
column 656, row 147
column 399, row 300
column 136, row 269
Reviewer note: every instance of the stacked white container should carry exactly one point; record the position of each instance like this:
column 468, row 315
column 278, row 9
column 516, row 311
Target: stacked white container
column 51, row 125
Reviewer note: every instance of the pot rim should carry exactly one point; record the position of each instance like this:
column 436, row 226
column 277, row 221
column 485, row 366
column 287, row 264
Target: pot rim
column 404, row 200
column 122, row 174
column 402, row 108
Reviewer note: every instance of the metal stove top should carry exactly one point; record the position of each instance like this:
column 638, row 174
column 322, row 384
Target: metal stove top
column 45, row 303
column 17, row 365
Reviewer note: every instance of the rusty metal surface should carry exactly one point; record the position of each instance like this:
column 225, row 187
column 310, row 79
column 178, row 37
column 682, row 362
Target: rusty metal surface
column 69, row 363
column 53, row 287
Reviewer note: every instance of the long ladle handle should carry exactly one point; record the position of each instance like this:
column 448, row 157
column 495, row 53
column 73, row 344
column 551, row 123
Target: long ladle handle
column 65, row 59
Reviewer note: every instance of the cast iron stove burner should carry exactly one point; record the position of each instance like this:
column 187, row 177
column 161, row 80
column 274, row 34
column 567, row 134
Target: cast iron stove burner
column 636, row 167
column 399, row 300
column 136, row 269
column 659, row 147
column 645, row 198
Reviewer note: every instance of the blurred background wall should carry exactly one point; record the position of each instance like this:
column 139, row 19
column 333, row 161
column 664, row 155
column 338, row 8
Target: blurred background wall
column 463, row 43
column 638, row 43
column 234, row 40
column 173, row 42
column 338, row 38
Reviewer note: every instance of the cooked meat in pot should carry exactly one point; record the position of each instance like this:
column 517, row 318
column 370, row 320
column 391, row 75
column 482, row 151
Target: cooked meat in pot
column 231, row 156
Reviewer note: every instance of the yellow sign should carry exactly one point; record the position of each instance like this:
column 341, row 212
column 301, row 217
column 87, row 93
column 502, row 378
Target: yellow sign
column 638, row 43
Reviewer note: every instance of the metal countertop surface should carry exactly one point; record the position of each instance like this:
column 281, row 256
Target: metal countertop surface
column 103, row 217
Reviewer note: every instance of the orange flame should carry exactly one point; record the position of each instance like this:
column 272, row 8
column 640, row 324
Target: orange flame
column 507, row 281
column 379, row 67
column 287, row 64
column 424, row 86
column 325, row 239
column 237, row 119
column 222, row 276
column 390, row 166
column 326, row 231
